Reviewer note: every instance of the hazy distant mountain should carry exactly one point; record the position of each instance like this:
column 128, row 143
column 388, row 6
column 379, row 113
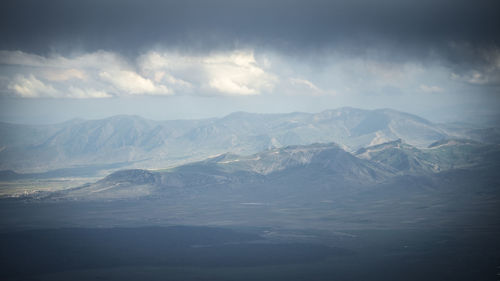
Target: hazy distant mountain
column 151, row 144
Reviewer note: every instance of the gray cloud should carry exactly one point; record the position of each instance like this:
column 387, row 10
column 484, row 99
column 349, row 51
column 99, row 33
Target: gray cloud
column 366, row 53
column 38, row 26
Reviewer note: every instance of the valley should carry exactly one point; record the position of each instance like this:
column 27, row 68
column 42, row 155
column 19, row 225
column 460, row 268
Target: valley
column 317, row 210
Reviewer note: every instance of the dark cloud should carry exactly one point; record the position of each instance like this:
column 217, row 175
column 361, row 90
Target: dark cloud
column 412, row 55
column 462, row 35
column 129, row 26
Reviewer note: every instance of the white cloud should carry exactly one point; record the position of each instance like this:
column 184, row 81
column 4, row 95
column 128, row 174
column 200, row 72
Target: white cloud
column 154, row 73
column 132, row 83
column 226, row 73
column 76, row 76
column 430, row 89
column 309, row 84
column 64, row 74
column 21, row 58
column 31, row 87
column 237, row 73
column 86, row 93
column 308, row 87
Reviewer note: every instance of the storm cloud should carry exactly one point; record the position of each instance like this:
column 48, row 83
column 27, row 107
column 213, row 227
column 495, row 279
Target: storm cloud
column 129, row 26
column 351, row 51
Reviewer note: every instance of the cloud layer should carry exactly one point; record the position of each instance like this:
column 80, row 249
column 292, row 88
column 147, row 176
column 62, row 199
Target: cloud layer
column 215, row 47
column 262, row 55
column 240, row 72
column 153, row 73
column 135, row 24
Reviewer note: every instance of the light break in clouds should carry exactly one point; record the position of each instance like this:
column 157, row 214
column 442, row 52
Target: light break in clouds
column 239, row 72
column 257, row 80
column 106, row 74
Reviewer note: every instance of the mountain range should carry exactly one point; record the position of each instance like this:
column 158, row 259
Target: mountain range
column 134, row 142
column 451, row 183
column 339, row 169
column 299, row 169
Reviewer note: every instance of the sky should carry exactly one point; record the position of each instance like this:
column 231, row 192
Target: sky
column 207, row 58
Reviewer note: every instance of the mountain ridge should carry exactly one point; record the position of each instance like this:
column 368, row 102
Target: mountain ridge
column 324, row 166
column 149, row 144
